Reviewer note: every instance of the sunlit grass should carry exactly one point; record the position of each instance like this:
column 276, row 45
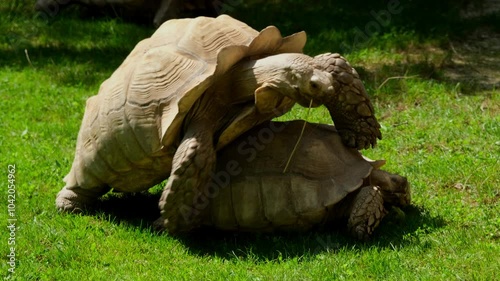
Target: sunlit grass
column 446, row 141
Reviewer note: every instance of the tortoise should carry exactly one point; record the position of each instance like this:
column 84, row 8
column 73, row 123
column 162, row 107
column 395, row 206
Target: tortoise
column 189, row 90
column 326, row 183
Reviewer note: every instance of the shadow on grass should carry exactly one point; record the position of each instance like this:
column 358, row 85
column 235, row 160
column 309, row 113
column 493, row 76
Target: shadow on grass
column 283, row 246
column 466, row 79
column 67, row 66
column 359, row 20
column 421, row 69
column 141, row 210
column 135, row 209
column 332, row 26
column 69, row 49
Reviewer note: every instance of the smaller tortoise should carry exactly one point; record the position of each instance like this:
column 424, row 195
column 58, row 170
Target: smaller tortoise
column 325, row 182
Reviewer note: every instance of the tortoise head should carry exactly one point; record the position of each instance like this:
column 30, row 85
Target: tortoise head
column 395, row 189
column 349, row 106
column 291, row 75
column 296, row 76
column 311, row 84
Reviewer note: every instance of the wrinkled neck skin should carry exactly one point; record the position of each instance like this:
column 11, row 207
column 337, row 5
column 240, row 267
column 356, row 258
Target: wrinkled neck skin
column 284, row 73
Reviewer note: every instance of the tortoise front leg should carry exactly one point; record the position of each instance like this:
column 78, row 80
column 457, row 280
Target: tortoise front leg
column 183, row 202
column 366, row 213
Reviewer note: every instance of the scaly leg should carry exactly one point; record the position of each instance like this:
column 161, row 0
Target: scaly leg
column 366, row 213
column 183, row 201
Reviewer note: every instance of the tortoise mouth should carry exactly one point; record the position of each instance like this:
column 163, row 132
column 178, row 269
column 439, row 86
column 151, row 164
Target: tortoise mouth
column 305, row 100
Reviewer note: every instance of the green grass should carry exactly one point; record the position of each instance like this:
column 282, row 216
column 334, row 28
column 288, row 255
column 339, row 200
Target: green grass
column 444, row 139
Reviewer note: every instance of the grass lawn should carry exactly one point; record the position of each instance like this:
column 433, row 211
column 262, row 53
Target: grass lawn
column 440, row 130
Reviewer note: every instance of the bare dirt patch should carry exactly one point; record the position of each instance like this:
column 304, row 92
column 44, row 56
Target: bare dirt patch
column 475, row 60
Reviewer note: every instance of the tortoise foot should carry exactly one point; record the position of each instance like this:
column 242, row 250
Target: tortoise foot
column 75, row 200
column 367, row 212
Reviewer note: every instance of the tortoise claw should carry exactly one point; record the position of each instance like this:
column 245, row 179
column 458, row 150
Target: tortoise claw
column 350, row 106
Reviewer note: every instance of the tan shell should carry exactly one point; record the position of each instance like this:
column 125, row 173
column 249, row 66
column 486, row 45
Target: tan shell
column 251, row 192
column 134, row 122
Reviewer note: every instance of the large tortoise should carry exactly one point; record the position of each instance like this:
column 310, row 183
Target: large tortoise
column 189, row 90
column 325, row 182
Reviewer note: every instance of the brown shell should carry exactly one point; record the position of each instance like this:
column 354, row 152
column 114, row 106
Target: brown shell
column 250, row 191
column 134, row 122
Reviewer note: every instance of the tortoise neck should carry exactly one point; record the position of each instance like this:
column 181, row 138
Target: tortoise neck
column 274, row 71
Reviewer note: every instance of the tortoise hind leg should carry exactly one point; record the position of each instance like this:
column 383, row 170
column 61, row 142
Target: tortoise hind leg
column 181, row 203
column 366, row 213
column 75, row 199
column 81, row 190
